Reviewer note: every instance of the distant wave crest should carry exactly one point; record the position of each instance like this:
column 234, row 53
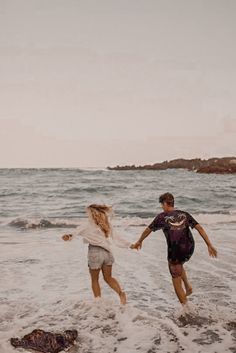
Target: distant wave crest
column 40, row 223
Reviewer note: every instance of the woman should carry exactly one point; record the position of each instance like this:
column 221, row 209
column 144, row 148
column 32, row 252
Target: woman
column 98, row 233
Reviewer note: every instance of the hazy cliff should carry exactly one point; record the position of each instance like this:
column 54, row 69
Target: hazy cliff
column 225, row 165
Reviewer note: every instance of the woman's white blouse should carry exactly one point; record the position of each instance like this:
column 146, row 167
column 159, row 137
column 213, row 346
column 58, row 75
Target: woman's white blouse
column 92, row 234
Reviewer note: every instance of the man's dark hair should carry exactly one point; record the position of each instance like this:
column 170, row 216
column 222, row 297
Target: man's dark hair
column 167, row 198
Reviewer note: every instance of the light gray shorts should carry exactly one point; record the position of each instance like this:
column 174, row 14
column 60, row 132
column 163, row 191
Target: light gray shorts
column 97, row 257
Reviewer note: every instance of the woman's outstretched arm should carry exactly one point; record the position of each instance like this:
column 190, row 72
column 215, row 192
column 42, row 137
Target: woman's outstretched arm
column 67, row 237
column 70, row 236
column 120, row 241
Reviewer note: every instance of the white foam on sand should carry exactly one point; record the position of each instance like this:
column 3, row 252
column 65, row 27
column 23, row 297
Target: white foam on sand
column 45, row 284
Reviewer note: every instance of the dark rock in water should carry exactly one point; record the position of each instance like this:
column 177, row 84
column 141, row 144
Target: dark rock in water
column 226, row 165
column 46, row 342
column 219, row 167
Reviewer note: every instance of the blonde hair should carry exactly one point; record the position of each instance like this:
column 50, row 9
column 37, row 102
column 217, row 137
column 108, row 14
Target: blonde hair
column 100, row 215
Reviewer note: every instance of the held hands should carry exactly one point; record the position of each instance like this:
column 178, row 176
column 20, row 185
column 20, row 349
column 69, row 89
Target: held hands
column 136, row 246
column 212, row 251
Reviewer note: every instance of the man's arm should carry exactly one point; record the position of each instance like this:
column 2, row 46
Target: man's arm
column 138, row 244
column 211, row 250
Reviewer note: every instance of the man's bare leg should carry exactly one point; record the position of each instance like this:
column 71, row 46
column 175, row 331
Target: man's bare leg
column 95, row 282
column 113, row 283
column 177, row 283
column 187, row 285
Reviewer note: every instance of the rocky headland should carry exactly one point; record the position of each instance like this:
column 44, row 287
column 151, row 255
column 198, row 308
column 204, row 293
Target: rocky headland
column 225, row 165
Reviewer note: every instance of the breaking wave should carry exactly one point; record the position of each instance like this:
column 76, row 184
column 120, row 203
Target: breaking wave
column 41, row 223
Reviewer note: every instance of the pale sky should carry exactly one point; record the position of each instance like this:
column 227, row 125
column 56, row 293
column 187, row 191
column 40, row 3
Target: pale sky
column 97, row 83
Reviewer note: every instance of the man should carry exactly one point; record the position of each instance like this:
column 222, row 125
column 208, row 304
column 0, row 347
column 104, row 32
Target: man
column 176, row 227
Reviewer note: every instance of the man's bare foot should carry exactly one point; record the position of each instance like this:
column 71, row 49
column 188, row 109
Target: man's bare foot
column 189, row 291
column 123, row 299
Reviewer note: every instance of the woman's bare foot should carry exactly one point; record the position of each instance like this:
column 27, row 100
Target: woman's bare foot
column 189, row 291
column 123, row 299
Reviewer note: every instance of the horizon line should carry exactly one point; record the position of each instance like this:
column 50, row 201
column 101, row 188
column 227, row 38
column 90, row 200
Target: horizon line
column 106, row 167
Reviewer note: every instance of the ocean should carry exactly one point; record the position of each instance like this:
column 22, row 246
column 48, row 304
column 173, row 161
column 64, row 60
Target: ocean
column 44, row 281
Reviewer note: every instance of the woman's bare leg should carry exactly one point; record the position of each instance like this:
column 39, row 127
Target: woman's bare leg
column 95, row 282
column 113, row 283
column 187, row 285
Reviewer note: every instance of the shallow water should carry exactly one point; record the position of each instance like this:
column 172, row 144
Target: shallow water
column 45, row 284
